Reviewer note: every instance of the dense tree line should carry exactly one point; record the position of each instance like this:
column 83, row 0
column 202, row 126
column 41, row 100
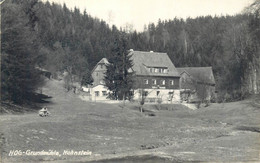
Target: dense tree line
column 51, row 36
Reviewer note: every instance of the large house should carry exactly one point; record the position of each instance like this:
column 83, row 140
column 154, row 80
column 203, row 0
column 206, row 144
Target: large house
column 195, row 82
column 156, row 75
column 158, row 79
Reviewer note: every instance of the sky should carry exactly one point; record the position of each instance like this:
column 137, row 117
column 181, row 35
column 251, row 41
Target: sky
column 142, row 12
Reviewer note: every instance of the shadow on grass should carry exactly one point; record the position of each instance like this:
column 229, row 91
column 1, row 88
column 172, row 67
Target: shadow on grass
column 249, row 128
column 38, row 98
column 31, row 103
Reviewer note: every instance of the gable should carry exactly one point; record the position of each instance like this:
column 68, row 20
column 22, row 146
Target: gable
column 100, row 66
column 184, row 73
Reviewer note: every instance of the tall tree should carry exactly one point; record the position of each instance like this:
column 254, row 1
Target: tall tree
column 87, row 78
column 119, row 78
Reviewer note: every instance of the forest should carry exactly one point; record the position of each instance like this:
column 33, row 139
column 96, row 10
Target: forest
column 58, row 39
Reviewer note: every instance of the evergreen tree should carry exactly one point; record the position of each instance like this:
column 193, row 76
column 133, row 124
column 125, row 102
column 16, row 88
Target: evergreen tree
column 119, row 78
column 19, row 76
column 87, row 78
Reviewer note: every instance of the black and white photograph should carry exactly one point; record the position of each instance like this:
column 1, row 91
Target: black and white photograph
column 128, row 81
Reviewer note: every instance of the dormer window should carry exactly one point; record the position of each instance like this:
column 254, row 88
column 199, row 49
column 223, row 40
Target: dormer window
column 145, row 81
column 163, row 70
column 151, row 70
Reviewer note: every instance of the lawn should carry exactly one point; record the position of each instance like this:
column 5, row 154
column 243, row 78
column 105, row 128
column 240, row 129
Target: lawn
column 220, row 132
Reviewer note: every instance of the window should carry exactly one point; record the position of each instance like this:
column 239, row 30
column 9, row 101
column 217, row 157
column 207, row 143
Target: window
column 145, row 81
column 157, row 93
column 143, row 93
column 104, row 93
column 158, row 70
column 96, row 93
column 154, row 81
column 131, row 93
column 162, row 82
column 171, row 82
column 97, row 74
column 101, row 66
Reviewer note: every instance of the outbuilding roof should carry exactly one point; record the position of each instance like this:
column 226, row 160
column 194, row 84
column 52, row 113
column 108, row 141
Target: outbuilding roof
column 199, row 73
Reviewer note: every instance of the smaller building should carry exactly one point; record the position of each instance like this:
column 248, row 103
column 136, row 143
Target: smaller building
column 197, row 83
column 98, row 72
column 97, row 91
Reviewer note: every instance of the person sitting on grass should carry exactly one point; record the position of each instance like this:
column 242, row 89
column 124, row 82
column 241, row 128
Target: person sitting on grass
column 44, row 112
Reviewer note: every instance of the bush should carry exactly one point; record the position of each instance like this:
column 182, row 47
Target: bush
column 159, row 100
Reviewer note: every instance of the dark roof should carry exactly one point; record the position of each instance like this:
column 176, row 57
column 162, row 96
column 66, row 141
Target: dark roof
column 199, row 73
column 143, row 60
